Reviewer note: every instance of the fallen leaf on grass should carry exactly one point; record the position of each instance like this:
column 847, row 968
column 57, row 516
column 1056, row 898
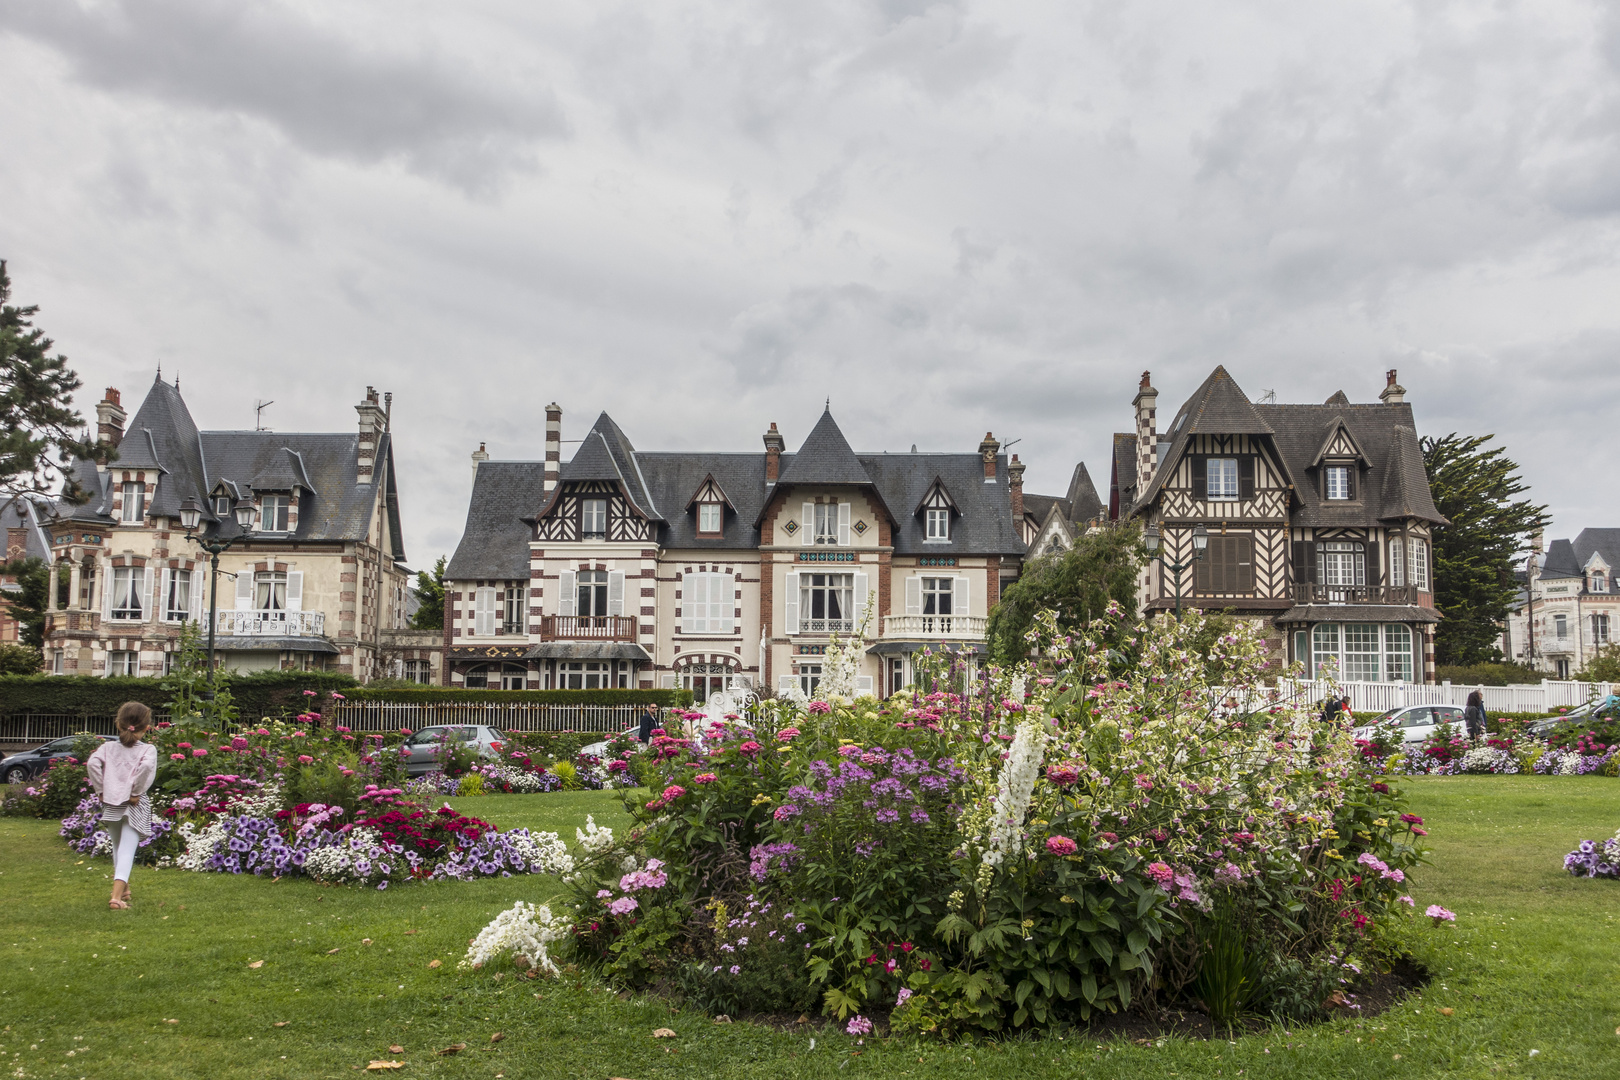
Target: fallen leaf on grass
column 497, row 1037
column 411, row 931
column 435, row 963
column 329, row 952
column 1336, row 1000
column 282, row 1023
column 257, row 964
column 380, row 1065
column 1447, row 1012
column 171, row 1021
column 365, row 941
column 453, row 1048
column 663, row 1033
column 396, row 1049
column 722, row 1019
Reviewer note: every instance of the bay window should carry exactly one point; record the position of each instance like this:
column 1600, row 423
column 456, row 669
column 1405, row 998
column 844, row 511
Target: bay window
column 1359, row 652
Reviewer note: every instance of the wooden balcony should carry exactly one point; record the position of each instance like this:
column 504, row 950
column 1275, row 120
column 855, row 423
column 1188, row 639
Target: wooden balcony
column 935, row 627
column 588, row 628
column 1355, row 594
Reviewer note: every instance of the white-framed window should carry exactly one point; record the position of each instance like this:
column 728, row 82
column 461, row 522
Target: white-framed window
column 128, row 587
column 939, row 523
column 1600, row 581
column 222, row 507
column 273, row 510
column 1343, row 563
column 1338, row 482
column 512, row 621
column 937, row 594
column 585, row 675
column 711, row 518
column 1561, row 627
column 1418, row 563
column 708, row 603
column 826, row 603
column 1600, row 629
column 1361, row 652
column 418, row 671
column 58, row 661
column 134, row 502
column 593, row 520
column 177, row 596
column 495, row 677
column 270, row 590
column 826, row 523
column 706, row 679
column 809, row 678
column 1221, row 475
column 591, row 592
column 123, row 662
column 1397, row 563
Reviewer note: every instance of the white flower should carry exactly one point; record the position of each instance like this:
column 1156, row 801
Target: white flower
column 594, row 839
column 1014, row 788
column 544, row 852
column 522, row 931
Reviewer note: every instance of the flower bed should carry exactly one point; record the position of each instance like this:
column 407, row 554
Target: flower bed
column 1063, row 842
column 1595, row 858
column 1510, row 752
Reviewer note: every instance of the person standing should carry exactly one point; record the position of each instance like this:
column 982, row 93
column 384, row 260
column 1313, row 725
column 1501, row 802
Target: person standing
column 1474, row 715
column 121, row 773
column 649, row 721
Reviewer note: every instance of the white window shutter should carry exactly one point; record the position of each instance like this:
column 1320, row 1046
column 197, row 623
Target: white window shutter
column 568, row 590
column 863, row 685
column 790, row 605
column 694, row 603
column 807, row 524
column 787, row 682
column 295, row 590
column 913, row 595
column 144, row 593
column 162, row 604
column 843, row 524
column 860, row 595
column 615, row 592
column 244, row 590
column 106, row 576
column 726, row 589
column 197, row 599
column 959, row 596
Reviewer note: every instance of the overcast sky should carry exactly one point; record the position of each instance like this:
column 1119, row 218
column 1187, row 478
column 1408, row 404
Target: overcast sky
column 948, row 217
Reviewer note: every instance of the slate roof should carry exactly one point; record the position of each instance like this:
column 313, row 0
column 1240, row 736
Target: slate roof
column 1393, row 486
column 1122, row 493
column 1561, row 561
column 334, row 505
column 24, row 513
column 1080, row 506
column 508, row 496
column 495, row 541
column 1605, row 542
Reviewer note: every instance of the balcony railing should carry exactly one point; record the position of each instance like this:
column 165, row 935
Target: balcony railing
column 826, row 626
column 1354, row 594
column 935, row 627
column 73, row 620
column 588, row 628
column 271, row 623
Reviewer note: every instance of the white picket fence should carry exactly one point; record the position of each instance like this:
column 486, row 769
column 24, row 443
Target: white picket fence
column 1380, row 697
column 504, row 716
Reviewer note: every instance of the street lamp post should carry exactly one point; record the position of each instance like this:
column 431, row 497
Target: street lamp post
column 1200, row 539
column 190, row 517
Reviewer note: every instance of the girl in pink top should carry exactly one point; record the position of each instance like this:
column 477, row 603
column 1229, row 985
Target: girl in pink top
column 122, row 772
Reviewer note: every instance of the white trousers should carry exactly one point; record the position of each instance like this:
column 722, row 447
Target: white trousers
column 125, row 840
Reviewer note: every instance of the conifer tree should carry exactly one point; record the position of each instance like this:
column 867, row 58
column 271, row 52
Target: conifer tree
column 38, row 423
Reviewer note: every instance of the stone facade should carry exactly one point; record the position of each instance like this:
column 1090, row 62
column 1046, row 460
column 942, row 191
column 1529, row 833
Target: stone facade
column 1569, row 609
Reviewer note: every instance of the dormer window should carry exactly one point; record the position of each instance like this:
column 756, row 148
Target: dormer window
column 939, row 523
column 273, row 510
column 1222, row 476
column 711, row 517
column 1338, row 482
column 1600, row 581
column 134, row 502
column 222, row 507
column 593, row 519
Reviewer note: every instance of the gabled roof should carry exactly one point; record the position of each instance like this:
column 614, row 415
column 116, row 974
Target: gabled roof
column 1601, row 542
column 495, row 541
column 1335, row 426
column 1339, row 398
column 605, row 454
column 1218, row 407
column 825, row 458
column 929, row 496
column 709, row 484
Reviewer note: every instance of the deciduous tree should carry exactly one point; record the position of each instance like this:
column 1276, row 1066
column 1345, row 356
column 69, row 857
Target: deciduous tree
column 1078, row 584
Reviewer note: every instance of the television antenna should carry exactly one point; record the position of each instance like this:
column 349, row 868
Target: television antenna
column 258, row 414
column 1268, row 397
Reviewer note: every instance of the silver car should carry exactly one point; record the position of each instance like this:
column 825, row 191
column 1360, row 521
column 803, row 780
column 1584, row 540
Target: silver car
column 1416, row 722
column 422, row 747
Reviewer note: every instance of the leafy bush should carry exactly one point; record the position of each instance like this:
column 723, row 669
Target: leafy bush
column 1502, row 674
column 418, row 694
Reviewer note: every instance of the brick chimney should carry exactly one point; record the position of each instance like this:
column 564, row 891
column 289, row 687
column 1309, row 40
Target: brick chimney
column 987, row 454
column 371, row 428
column 773, row 454
column 1015, row 484
column 553, row 471
column 110, row 418
column 16, row 543
column 1394, row 393
column 478, row 455
column 1147, row 433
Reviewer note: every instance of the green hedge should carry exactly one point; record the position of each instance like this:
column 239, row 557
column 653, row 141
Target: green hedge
column 262, row 693
column 428, row 694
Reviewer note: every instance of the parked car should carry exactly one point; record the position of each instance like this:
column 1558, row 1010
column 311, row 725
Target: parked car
column 22, row 767
column 1417, row 722
column 1607, row 708
column 421, row 746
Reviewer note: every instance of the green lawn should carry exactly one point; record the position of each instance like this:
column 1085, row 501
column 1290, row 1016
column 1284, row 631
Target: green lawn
column 1531, row 964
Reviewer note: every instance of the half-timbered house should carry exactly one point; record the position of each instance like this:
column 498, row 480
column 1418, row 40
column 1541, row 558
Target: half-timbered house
column 1318, row 520
column 629, row 568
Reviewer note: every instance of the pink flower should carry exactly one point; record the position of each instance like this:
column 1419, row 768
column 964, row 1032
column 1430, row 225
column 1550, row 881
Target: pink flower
column 1419, row 832
column 900, row 999
column 624, row 905
column 1061, row 845
column 749, row 748
column 309, row 693
column 177, row 757
column 858, row 1024
column 239, row 743
column 673, row 792
column 819, row 707
column 702, row 778
column 603, row 894
column 305, row 759
column 1396, row 876
column 1411, row 819
column 1161, row 873
column 338, row 697
column 183, row 746
column 889, row 966
column 787, row 734
column 1408, row 901
column 199, row 753
column 1143, row 782
column 1439, row 914
column 1063, row 775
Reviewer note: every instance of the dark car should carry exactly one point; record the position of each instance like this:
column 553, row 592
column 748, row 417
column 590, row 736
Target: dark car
column 1605, row 708
column 421, row 748
column 29, row 764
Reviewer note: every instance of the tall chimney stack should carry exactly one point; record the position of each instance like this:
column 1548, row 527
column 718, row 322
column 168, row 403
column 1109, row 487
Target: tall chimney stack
column 987, row 454
column 1015, row 484
column 110, row 418
column 478, row 455
column 371, row 427
column 1394, row 393
column 774, row 445
column 1147, row 433
column 553, row 447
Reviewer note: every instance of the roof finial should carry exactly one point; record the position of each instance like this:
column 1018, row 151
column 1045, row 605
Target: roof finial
column 160, row 369
column 828, row 406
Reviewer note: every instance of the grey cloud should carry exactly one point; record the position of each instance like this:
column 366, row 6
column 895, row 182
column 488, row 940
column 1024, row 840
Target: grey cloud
column 333, row 96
